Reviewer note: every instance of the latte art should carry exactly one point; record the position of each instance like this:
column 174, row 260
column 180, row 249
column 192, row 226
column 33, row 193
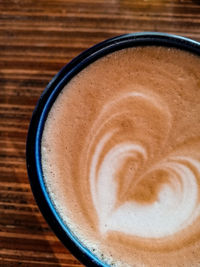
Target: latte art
column 162, row 199
column 121, row 157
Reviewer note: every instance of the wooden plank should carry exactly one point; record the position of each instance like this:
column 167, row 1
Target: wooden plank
column 37, row 38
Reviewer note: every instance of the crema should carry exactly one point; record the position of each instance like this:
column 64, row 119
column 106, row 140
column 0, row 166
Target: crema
column 121, row 157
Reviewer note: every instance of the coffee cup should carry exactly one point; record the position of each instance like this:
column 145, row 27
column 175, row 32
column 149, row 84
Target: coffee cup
column 113, row 152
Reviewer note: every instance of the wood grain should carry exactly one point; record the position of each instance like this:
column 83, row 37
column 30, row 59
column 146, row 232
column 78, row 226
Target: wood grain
column 36, row 39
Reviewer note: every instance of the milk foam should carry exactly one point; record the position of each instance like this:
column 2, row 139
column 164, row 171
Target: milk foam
column 121, row 157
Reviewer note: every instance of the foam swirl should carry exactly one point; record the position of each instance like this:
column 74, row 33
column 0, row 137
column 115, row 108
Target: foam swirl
column 151, row 202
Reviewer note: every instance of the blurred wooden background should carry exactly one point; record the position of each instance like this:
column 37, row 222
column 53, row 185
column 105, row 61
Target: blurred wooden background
column 36, row 39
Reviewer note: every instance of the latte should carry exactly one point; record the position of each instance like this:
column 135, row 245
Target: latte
column 121, row 157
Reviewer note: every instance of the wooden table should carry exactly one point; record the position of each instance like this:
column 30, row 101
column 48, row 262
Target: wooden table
column 36, row 39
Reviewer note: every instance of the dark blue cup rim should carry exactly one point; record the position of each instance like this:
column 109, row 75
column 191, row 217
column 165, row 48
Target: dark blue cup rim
column 33, row 152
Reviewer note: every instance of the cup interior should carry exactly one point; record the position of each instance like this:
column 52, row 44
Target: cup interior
column 40, row 114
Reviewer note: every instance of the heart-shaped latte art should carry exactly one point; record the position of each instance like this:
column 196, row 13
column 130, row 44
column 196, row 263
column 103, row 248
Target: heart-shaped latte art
column 136, row 189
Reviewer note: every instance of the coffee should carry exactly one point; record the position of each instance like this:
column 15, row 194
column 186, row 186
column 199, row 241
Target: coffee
column 121, row 157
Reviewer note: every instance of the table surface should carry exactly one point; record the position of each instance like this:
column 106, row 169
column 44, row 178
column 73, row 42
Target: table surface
column 37, row 38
